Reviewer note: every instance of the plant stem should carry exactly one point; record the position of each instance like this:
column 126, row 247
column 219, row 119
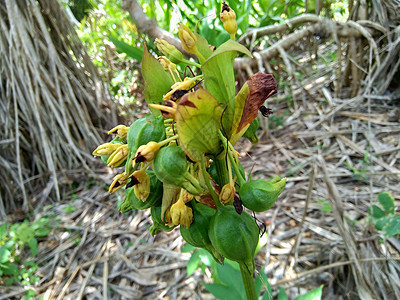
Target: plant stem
column 248, row 281
column 208, row 184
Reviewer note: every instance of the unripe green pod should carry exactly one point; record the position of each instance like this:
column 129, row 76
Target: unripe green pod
column 197, row 233
column 170, row 167
column 260, row 195
column 158, row 224
column 234, row 236
column 145, row 130
column 154, row 198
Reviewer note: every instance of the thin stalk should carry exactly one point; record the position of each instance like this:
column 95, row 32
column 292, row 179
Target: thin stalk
column 186, row 61
column 233, row 160
column 208, row 184
column 248, row 281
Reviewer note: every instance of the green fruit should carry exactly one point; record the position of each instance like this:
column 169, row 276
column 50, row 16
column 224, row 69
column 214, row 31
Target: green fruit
column 145, row 130
column 170, row 167
column 234, row 236
column 197, row 233
column 158, row 224
column 154, row 198
column 260, row 195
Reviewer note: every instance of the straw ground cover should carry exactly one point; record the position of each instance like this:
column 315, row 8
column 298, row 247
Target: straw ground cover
column 338, row 150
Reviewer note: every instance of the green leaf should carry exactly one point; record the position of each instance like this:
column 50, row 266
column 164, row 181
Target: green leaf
column 188, row 248
column 33, row 246
column 41, row 232
column 25, row 233
column 315, row 294
column 219, row 78
column 132, row 51
column 202, row 46
column 193, row 263
column 282, row 294
column 232, row 278
column 262, row 282
column 393, row 228
column 156, row 81
column 383, row 222
column 377, row 212
column 4, row 255
column 206, row 257
column 222, row 292
column 387, row 202
column 198, row 118
column 251, row 132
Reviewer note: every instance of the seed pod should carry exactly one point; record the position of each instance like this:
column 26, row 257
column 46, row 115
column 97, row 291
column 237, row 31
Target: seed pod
column 197, row 234
column 260, row 195
column 158, row 225
column 170, row 167
column 234, row 236
column 154, row 197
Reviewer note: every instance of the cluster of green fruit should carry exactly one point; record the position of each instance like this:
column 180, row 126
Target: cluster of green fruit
column 180, row 162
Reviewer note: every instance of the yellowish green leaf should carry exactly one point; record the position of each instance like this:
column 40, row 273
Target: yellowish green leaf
column 198, row 117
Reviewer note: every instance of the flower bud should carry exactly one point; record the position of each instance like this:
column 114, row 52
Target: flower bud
column 142, row 189
column 181, row 214
column 121, row 130
column 228, row 19
column 106, row 149
column 146, row 153
column 118, row 182
column 227, row 193
column 188, row 39
column 118, row 156
column 169, row 50
column 166, row 63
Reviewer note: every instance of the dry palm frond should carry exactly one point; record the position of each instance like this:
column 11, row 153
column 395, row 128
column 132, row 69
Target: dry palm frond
column 51, row 97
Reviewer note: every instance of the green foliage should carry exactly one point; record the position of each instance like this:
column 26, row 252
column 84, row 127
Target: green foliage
column 325, row 205
column 386, row 219
column 15, row 240
column 227, row 279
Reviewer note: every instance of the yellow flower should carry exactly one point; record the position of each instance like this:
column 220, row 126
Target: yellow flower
column 183, row 86
column 181, row 214
column 105, row 149
column 168, row 110
column 146, row 153
column 118, row 182
column 228, row 19
column 142, row 189
column 118, row 156
column 121, row 130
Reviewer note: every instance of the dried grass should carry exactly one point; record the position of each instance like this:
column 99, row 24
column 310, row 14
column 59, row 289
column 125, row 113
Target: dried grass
column 52, row 102
column 116, row 257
